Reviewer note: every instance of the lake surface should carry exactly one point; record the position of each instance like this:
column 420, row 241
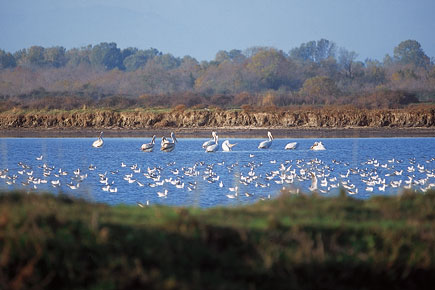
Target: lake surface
column 192, row 177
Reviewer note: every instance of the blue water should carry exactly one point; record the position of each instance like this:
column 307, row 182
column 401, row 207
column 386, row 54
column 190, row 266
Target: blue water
column 353, row 162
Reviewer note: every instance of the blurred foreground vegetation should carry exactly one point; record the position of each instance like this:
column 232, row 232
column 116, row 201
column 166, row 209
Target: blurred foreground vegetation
column 293, row 242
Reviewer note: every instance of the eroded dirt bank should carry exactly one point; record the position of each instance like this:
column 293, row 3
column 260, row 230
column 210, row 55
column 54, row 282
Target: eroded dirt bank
column 317, row 118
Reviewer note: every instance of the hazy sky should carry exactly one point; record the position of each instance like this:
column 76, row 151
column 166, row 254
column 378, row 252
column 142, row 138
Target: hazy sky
column 200, row 28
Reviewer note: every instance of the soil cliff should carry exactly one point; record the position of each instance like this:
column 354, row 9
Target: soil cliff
column 304, row 118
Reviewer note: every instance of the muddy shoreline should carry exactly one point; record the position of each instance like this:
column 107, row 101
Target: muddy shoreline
column 224, row 132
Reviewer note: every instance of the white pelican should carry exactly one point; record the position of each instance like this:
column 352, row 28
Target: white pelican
column 213, row 147
column 291, row 146
column 266, row 144
column 317, row 146
column 226, row 146
column 211, row 141
column 99, row 142
column 148, row 147
column 168, row 145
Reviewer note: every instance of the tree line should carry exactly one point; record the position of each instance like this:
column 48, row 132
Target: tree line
column 314, row 73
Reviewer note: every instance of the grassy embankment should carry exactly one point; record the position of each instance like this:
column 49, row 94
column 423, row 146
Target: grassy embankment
column 295, row 242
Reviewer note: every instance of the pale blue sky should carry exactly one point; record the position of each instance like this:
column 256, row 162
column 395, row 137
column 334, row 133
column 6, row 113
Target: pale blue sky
column 200, row 28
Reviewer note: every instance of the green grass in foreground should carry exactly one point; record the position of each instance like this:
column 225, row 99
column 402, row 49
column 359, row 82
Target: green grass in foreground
column 294, row 242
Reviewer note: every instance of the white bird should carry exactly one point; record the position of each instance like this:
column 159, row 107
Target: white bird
column 99, row 142
column 211, row 141
column 213, row 147
column 168, row 145
column 313, row 186
column 163, row 194
column 148, row 147
column 317, row 146
column 266, row 144
column 226, row 146
column 291, row 146
column 39, row 158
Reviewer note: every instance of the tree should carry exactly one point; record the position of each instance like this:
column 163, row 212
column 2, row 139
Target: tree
column 346, row 60
column 320, row 88
column 233, row 55
column 55, row 56
column 76, row 57
column 35, row 55
column 139, row 59
column 7, row 60
column 410, row 52
column 273, row 69
column 106, row 55
column 313, row 51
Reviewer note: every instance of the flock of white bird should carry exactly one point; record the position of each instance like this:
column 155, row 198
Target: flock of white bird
column 212, row 145
column 162, row 180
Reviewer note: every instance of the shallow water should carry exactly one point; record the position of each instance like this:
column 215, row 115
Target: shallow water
column 353, row 162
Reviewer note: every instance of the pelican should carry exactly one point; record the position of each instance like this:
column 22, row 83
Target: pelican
column 266, row 144
column 226, row 146
column 168, row 145
column 317, row 146
column 99, row 142
column 148, row 147
column 211, row 141
column 213, row 147
column 291, row 146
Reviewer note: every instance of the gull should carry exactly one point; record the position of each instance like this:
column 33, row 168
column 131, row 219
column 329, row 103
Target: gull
column 313, row 186
column 163, row 194
column 39, row 158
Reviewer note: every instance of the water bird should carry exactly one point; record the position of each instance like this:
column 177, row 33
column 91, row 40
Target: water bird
column 317, row 146
column 39, row 158
column 266, row 144
column 213, row 147
column 226, row 146
column 168, row 145
column 99, row 142
column 291, row 146
column 211, row 141
column 148, row 147
column 163, row 194
column 313, row 186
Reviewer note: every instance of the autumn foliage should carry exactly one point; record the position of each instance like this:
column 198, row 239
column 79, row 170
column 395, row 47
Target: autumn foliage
column 315, row 73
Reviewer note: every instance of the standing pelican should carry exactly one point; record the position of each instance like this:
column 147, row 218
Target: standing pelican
column 266, row 144
column 211, row 141
column 213, row 147
column 168, row 145
column 99, row 142
column 291, row 146
column 148, row 147
column 226, row 146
